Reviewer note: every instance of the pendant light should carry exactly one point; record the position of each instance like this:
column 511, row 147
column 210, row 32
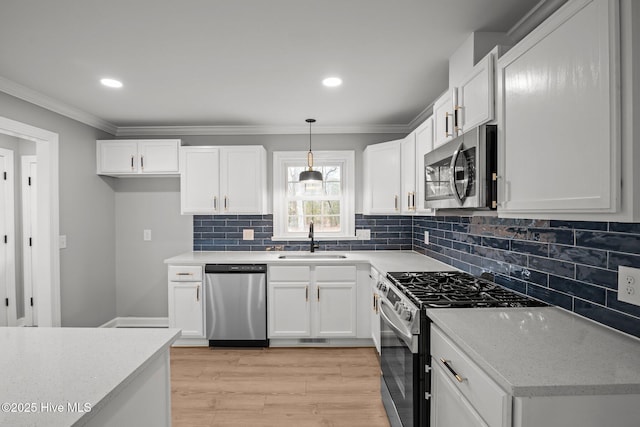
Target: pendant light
column 310, row 174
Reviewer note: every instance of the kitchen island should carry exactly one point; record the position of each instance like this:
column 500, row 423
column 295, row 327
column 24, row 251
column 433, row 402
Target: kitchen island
column 85, row 376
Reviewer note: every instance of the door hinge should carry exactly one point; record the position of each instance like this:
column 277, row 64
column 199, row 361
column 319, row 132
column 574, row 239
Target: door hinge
column 30, row 241
column 6, row 239
column 5, row 176
column 6, row 302
column 31, row 301
column 29, row 180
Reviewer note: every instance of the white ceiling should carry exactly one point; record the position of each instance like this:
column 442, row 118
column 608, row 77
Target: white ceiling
column 243, row 62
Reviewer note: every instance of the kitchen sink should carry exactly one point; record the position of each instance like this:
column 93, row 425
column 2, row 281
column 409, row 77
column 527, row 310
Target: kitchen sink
column 313, row 256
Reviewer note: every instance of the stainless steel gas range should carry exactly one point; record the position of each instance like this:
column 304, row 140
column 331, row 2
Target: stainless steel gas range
column 404, row 326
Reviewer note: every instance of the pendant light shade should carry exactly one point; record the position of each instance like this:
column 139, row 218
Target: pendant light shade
column 310, row 174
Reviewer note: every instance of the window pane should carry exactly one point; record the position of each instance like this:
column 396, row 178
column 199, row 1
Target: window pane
column 332, row 188
column 331, row 173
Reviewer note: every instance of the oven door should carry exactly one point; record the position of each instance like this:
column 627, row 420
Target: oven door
column 400, row 361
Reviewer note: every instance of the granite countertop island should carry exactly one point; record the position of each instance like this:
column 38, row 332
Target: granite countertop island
column 383, row 261
column 544, row 351
column 83, row 376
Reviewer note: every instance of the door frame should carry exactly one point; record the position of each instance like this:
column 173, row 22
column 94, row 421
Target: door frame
column 27, row 187
column 9, row 290
column 47, row 251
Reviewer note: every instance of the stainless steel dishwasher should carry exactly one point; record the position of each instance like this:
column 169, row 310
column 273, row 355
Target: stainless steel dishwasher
column 236, row 305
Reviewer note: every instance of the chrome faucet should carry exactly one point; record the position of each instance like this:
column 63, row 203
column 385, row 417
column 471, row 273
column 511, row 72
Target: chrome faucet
column 313, row 245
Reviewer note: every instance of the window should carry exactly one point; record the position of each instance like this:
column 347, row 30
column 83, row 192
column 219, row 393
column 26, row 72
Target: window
column 329, row 204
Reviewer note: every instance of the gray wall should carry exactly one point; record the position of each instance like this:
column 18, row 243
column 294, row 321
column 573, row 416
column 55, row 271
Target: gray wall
column 155, row 204
column 87, row 216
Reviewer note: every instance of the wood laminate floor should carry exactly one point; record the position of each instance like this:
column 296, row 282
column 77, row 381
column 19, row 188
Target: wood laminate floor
column 276, row 387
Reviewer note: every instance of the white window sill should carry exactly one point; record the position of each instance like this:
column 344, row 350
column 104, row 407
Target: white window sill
column 315, row 238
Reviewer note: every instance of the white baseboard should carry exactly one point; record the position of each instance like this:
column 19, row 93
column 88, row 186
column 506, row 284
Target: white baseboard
column 137, row 322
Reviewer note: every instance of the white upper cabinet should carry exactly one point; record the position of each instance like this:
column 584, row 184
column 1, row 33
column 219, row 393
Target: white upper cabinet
column 424, row 144
column 408, row 170
column 243, row 179
column 199, row 180
column 223, row 180
column 559, row 118
column 443, row 118
column 476, row 97
column 137, row 157
column 382, row 187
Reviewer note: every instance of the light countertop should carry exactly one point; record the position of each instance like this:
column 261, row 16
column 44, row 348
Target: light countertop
column 48, row 367
column 544, row 351
column 383, row 261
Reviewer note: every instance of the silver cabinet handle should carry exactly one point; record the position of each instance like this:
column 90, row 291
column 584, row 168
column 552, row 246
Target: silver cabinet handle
column 215, row 203
column 226, row 203
column 318, row 292
column 306, row 293
column 198, row 293
column 142, row 162
column 450, row 368
column 395, row 202
column 184, row 274
column 132, row 158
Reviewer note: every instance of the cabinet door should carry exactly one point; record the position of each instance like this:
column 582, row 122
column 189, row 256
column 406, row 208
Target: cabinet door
column 424, row 144
column 335, row 310
column 408, row 171
column 186, row 308
column 558, row 140
column 375, row 314
column 448, row 406
column 119, row 157
column 158, row 156
column 289, row 310
column 443, row 118
column 199, row 180
column 243, row 179
column 382, row 178
column 476, row 95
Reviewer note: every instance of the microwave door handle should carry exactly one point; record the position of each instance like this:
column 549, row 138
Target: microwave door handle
column 452, row 178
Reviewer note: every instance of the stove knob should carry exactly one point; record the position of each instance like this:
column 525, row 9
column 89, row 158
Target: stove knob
column 406, row 315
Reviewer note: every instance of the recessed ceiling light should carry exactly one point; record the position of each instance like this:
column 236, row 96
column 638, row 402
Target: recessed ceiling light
column 111, row 83
column 332, row 81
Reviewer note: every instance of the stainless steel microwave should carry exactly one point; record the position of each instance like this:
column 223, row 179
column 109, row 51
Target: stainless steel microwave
column 461, row 174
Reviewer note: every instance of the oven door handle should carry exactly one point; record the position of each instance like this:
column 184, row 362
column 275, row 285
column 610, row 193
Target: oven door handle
column 406, row 336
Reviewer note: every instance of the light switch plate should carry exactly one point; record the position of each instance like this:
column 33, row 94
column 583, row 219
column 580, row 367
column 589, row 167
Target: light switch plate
column 629, row 285
column 426, row 237
column 146, row 235
column 62, row 240
column 247, row 234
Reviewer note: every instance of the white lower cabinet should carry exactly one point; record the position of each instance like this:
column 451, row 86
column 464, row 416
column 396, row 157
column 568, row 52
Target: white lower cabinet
column 375, row 313
column 312, row 301
column 464, row 395
column 186, row 302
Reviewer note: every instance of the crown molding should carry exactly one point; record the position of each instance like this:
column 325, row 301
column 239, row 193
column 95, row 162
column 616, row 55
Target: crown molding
column 255, row 130
column 34, row 97
column 420, row 118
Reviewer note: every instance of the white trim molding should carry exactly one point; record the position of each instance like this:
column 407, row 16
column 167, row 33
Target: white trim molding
column 51, row 104
column 137, row 322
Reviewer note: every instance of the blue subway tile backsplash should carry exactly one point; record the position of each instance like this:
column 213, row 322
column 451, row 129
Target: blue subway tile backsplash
column 571, row 264
column 224, row 233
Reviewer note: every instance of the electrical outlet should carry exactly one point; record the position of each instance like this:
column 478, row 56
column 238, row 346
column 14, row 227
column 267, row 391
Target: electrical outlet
column 146, row 235
column 629, row 285
column 247, row 234
column 426, row 237
column 363, row 234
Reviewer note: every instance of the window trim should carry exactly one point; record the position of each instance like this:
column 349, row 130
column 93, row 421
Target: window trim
column 281, row 159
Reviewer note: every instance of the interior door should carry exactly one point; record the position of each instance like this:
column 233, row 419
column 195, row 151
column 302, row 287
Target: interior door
column 7, row 242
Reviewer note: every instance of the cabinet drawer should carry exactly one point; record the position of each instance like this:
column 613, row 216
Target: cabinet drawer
column 290, row 273
column 336, row 273
column 486, row 397
column 185, row 273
